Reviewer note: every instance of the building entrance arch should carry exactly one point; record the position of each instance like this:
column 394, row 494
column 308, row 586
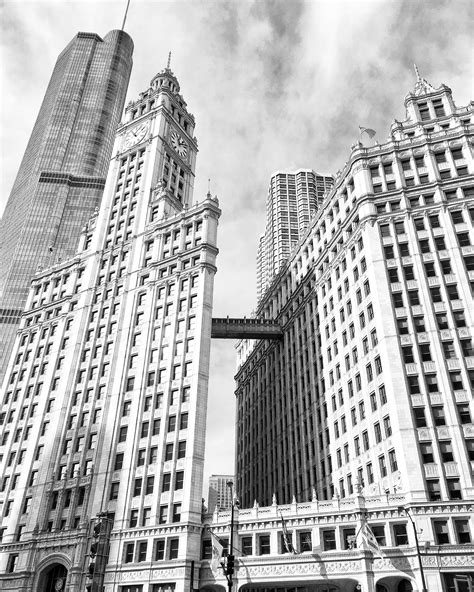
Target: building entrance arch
column 52, row 578
column 394, row 584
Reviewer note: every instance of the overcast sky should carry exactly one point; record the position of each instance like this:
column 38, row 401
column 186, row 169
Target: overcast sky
column 272, row 84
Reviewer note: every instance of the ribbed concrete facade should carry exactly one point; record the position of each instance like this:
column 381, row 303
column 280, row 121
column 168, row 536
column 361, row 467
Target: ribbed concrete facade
column 104, row 405
column 293, row 198
column 373, row 381
column 62, row 175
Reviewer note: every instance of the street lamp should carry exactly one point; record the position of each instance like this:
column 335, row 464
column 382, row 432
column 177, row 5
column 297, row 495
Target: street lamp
column 423, row 581
column 229, row 568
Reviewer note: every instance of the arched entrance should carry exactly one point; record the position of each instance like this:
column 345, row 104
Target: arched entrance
column 405, row 586
column 52, row 579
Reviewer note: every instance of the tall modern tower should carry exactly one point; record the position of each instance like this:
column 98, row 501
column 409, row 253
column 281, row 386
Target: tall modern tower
column 371, row 386
column 104, row 405
column 293, row 198
column 62, row 174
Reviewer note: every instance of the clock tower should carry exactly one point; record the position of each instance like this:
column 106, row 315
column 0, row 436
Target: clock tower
column 160, row 118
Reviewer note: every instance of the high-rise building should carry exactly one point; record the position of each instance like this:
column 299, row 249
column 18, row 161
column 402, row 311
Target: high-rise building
column 62, row 175
column 293, row 198
column 219, row 493
column 372, row 382
column 104, row 403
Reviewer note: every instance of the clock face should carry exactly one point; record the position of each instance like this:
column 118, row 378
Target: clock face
column 135, row 135
column 178, row 144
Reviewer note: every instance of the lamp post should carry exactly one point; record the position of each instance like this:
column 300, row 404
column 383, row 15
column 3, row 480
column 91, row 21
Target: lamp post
column 229, row 569
column 417, row 543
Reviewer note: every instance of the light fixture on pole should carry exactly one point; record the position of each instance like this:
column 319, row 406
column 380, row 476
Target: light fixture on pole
column 417, row 543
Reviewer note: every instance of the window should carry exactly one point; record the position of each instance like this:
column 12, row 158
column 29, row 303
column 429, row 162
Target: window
column 133, row 518
column 142, row 548
column 173, row 546
column 463, row 535
column 382, row 466
column 393, row 461
column 118, row 461
column 12, row 562
column 420, row 419
column 438, row 415
column 413, row 386
column 441, row 532
column 137, row 488
column 129, row 549
column 114, row 489
column 434, row 491
column 179, row 480
column 400, row 534
column 159, row 552
column 454, row 489
column 426, row 451
column 123, row 434
column 246, row 545
column 329, row 540
column 176, row 512
column 150, row 483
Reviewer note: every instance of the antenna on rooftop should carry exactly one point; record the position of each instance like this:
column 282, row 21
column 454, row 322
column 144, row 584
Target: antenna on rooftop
column 125, row 15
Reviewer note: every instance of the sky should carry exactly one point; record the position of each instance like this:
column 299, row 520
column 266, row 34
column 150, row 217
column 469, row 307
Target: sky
column 273, row 84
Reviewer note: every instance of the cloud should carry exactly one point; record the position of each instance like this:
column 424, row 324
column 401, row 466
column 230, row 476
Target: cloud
column 272, row 84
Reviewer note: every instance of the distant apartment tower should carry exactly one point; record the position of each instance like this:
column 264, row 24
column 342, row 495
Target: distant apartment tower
column 62, row 175
column 104, row 405
column 293, row 198
column 372, row 384
column 219, row 493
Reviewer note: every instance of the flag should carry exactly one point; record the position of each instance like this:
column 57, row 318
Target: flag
column 287, row 537
column 217, row 550
column 370, row 132
column 368, row 539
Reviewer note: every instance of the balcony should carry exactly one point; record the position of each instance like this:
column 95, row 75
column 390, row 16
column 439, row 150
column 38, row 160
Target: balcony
column 411, row 368
column 417, row 400
column 469, row 361
column 431, row 470
column 429, row 366
column 451, row 469
column 433, row 281
column 468, row 430
column 462, row 396
column 423, row 337
column 436, row 398
column 453, row 364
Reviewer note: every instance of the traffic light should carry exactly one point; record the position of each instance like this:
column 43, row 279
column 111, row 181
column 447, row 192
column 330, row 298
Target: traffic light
column 94, row 547
column 230, row 565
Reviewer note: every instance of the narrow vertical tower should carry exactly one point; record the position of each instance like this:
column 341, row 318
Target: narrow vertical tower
column 62, row 175
column 293, row 198
column 106, row 392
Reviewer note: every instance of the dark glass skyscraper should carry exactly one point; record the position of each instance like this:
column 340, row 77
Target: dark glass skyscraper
column 62, row 175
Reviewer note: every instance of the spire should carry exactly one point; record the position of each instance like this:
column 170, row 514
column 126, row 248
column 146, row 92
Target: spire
column 422, row 86
column 418, row 77
column 169, row 61
column 125, row 15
